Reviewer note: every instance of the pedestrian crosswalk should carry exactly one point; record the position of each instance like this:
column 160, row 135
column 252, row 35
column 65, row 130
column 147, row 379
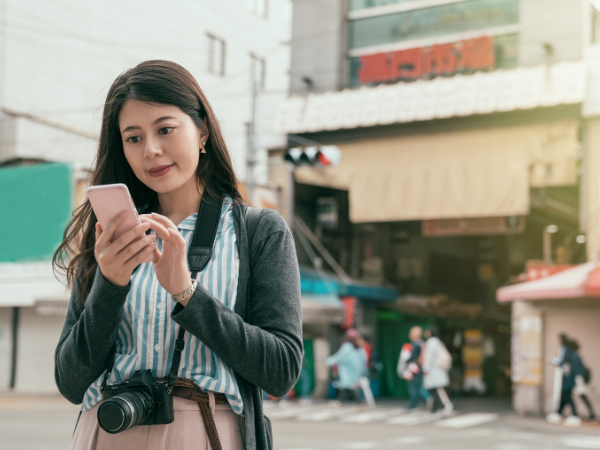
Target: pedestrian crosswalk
column 386, row 415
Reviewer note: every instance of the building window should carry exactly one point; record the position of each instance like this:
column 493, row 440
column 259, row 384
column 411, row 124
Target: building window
column 452, row 18
column 258, row 7
column 257, row 70
column 216, row 55
column 363, row 4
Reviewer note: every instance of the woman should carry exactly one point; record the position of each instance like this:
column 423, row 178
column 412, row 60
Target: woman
column 564, row 360
column 351, row 362
column 241, row 313
column 435, row 376
column 579, row 372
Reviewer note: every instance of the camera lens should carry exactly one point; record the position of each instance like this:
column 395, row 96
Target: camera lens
column 124, row 411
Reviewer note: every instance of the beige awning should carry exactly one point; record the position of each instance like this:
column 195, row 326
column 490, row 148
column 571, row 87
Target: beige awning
column 475, row 173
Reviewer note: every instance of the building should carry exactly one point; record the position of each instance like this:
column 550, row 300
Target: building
column 57, row 61
column 461, row 124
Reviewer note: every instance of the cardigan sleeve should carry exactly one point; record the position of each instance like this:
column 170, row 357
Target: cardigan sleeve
column 267, row 351
column 88, row 335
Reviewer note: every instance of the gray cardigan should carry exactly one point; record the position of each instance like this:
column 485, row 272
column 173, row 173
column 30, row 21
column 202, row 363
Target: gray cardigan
column 261, row 339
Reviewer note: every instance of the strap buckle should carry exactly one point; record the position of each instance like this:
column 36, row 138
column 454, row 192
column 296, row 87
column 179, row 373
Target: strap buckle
column 179, row 344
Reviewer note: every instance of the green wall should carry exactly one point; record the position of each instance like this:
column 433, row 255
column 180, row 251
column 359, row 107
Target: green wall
column 35, row 207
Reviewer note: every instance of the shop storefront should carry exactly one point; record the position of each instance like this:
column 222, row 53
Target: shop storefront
column 567, row 302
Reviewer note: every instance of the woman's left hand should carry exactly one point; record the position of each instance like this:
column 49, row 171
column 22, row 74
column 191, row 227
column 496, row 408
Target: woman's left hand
column 171, row 264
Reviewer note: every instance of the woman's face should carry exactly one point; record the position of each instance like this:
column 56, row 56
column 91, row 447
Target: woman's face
column 161, row 143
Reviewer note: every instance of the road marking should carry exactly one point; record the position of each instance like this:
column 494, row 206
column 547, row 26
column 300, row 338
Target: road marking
column 468, row 420
column 413, row 419
column 362, row 445
column 287, row 412
column 408, row 440
column 371, row 416
column 582, row 442
column 325, row 414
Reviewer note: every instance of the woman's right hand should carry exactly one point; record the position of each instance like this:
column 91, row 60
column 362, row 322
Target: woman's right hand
column 118, row 259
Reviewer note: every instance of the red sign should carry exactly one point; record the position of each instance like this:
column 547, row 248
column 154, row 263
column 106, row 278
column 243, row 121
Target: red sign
column 439, row 59
column 350, row 311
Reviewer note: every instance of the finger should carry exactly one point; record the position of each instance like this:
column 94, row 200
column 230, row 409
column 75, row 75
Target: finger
column 157, row 255
column 135, row 247
column 98, row 231
column 165, row 221
column 112, row 226
column 140, row 256
column 174, row 235
column 158, row 228
column 124, row 240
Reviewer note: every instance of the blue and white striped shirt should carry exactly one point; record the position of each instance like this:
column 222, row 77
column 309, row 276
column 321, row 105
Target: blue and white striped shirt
column 147, row 334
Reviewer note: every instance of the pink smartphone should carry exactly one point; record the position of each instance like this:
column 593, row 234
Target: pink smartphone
column 108, row 200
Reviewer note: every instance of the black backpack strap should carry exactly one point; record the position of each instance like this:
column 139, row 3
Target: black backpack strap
column 207, row 225
column 253, row 217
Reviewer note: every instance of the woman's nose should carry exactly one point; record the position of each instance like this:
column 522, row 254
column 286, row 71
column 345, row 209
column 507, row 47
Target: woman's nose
column 152, row 149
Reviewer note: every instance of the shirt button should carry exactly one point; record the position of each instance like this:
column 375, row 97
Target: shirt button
column 157, row 347
column 159, row 306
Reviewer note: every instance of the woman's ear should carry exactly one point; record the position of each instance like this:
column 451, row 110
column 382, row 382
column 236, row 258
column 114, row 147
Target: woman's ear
column 203, row 130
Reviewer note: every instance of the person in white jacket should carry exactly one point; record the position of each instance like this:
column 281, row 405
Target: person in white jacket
column 436, row 364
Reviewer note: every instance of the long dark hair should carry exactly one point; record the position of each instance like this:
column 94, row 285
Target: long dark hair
column 159, row 82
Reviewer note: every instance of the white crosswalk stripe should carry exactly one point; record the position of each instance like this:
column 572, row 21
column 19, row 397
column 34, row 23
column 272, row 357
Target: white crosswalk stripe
column 371, row 416
column 416, row 418
column 468, row 420
column 362, row 415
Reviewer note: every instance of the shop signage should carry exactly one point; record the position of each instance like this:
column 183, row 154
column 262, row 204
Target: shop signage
column 350, row 310
column 474, row 226
column 424, row 62
column 527, row 350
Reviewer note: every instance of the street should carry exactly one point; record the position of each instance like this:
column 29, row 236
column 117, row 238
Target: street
column 46, row 423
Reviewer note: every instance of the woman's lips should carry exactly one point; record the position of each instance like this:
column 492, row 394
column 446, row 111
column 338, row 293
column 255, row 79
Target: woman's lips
column 159, row 171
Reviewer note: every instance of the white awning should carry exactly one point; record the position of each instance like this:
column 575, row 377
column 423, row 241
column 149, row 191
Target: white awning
column 461, row 95
column 322, row 309
column 29, row 283
column 475, row 173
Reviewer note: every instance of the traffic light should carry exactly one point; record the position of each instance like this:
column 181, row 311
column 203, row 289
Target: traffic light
column 323, row 156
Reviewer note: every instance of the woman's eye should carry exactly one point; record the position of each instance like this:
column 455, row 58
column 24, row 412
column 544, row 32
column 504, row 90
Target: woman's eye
column 133, row 139
column 165, row 130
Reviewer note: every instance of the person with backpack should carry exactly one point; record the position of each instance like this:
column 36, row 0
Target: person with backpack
column 437, row 361
column 175, row 353
column 564, row 361
column 582, row 378
column 351, row 363
column 409, row 366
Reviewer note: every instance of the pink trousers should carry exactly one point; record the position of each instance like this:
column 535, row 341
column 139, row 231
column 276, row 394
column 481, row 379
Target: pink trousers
column 187, row 432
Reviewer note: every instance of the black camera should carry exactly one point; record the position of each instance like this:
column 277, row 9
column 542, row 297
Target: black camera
column 142, row 400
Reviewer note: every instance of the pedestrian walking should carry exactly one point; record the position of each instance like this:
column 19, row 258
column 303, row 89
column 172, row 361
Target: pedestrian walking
column 234, row 325
column 409, row 367
column 436, row 364
column 582, row 378
column 364, row 381
column 350, row 361
column 564, row 361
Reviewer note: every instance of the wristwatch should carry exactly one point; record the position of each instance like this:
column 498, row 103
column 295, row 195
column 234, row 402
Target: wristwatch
column 186, row 294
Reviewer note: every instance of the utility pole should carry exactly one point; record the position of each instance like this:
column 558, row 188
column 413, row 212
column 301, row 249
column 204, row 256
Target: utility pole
column 250, row 160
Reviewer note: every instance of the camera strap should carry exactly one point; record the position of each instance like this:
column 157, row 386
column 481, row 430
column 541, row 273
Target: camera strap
column 200, row 252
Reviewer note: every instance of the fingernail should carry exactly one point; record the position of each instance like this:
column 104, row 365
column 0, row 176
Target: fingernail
column 123, row 213
column 152, row 237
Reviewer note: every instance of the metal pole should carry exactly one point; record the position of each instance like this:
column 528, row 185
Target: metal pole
column 15, row 347
column 251, row 143
column 547, row 246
